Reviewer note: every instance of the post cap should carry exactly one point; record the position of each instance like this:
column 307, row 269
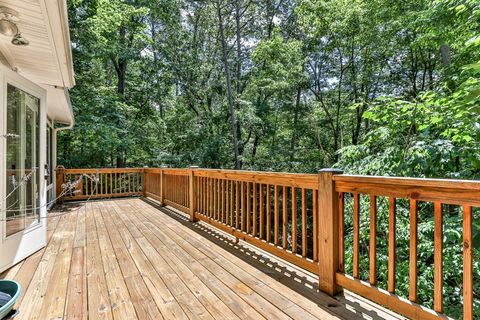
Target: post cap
column 331, row 170
column 194, row 167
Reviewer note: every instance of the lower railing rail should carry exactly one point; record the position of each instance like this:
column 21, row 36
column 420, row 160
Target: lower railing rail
column 303, row 219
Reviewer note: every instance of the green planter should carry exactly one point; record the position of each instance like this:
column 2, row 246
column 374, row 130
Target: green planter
column 13, row 289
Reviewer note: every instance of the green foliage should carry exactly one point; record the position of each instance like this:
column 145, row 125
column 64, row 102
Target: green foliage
column 373, row 87
column 278, row 65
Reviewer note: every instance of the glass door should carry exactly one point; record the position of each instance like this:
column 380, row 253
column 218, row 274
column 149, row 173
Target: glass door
column 23, row 223
column 22, row 189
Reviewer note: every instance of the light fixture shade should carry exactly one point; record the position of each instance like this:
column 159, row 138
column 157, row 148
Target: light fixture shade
column 8, row 27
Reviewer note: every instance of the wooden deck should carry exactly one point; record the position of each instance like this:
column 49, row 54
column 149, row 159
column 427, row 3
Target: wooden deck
column 129, row 259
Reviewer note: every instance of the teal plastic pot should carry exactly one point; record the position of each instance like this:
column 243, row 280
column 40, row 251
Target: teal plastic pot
column 12, row 288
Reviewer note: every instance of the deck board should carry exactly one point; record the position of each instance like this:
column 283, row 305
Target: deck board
column 129, row 259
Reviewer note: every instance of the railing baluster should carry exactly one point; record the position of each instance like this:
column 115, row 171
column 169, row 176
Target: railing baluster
column 231, row 202
column 294, row 220
column 215, row 199
column 222, row 200
column 391, row 244
column 437, row 253
column 228, row 203
column 341, row 232
column 413, row 251
column 225, row 201
column 356, row 234
column 125, row 184
column 248, row 212
column 134, row 182
column 198, row 195
column 205, row 196
column 206, row 209
column 254, row 209
column 284, row 217
column 261, row 212
column 237, row 204
column 199, row 192
column 275, row 215
column 171, row 189
column 242, row 204
column 315, row 224
column 269, row 214
column 467, row 264
column 373, row 239
column 212, row 198
column 304, row 223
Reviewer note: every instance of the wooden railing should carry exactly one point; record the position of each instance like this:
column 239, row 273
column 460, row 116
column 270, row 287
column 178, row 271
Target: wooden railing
column 457, row 195
column 98, row 183
column 301, row 218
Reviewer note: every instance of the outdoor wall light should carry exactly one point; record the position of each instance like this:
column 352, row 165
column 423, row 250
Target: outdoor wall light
column 9, row 28
column 19, row 40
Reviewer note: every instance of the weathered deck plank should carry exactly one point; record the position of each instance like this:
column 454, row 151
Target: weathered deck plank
column 126, row 259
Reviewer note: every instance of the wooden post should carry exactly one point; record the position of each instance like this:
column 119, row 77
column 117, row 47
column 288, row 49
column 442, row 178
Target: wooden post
column 144, row 181
column 192, row 192
column 162, row 187
column 328, row 244
column 59, row 181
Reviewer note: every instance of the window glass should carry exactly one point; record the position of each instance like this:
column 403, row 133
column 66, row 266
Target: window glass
column 23, row 174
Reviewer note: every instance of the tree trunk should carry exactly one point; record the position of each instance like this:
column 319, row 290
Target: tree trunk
column 293, row 140
column 231, row 107
column 241, row 146
column 120, row 65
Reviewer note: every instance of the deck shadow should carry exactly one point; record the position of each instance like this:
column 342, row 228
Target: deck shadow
column 293, row 277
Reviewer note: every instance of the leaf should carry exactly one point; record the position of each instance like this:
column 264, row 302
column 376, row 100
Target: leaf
column 475, row 41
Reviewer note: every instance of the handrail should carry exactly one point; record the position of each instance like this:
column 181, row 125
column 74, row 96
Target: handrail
column 301, row 218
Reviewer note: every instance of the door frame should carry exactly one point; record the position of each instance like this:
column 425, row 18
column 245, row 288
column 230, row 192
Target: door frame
column 20, row 245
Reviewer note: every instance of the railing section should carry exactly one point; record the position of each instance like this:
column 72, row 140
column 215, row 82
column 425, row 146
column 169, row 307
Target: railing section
column 302, row 219
column 433, row 196
column 81, row 184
